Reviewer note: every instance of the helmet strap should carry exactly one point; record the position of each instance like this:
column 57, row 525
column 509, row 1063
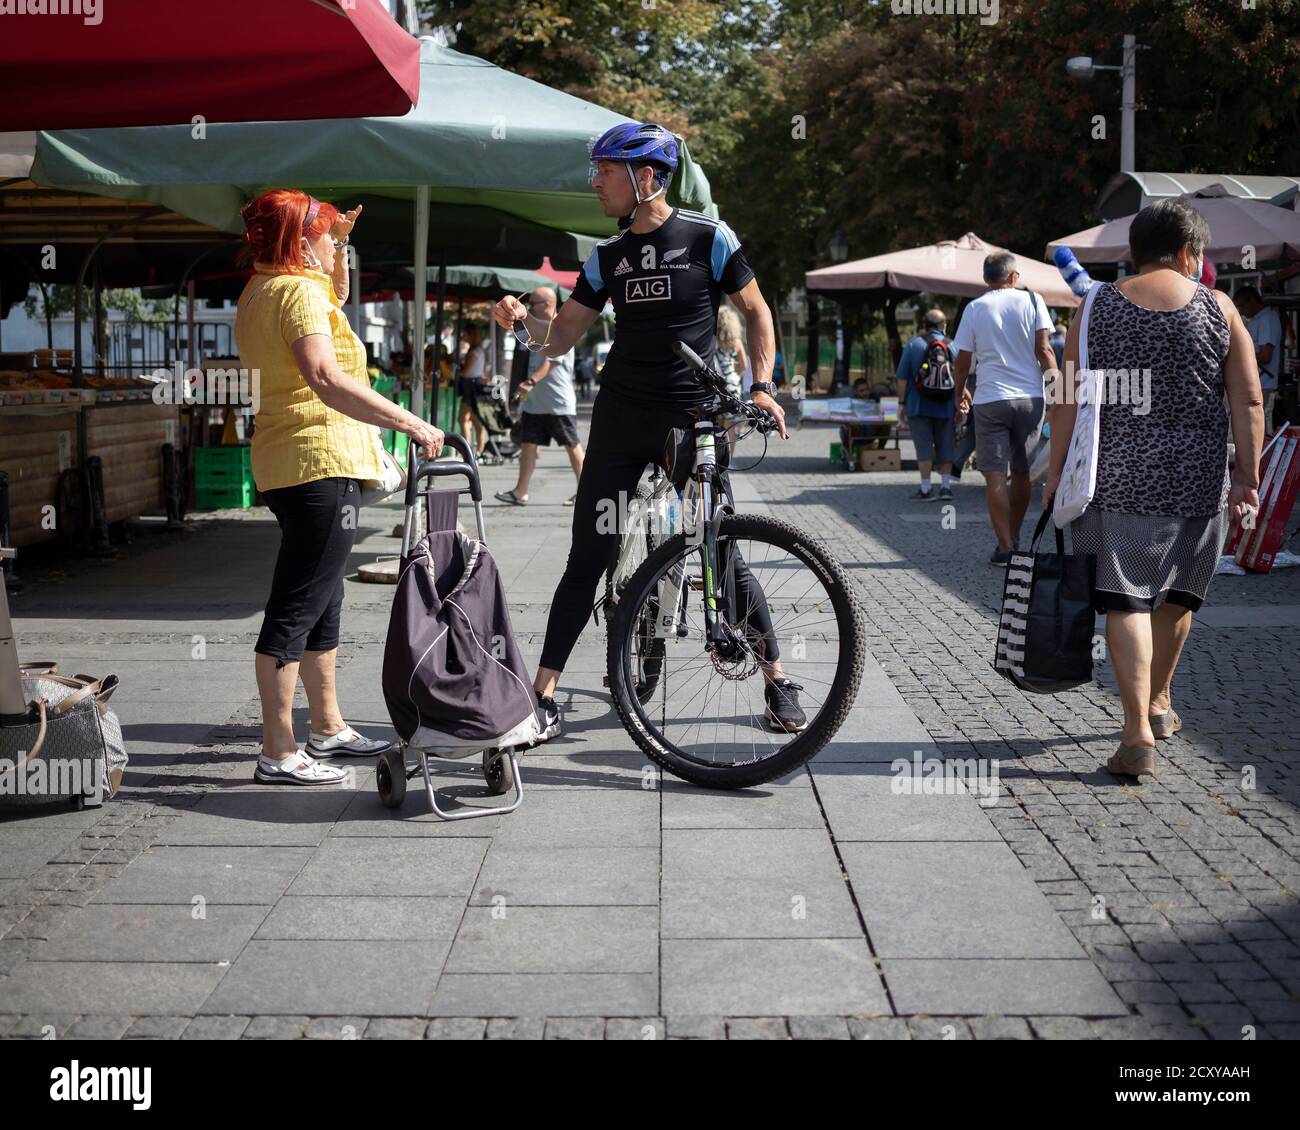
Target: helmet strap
column 636, row 191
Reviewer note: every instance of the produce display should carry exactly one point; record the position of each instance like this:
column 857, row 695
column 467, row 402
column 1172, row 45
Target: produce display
column 49, row 386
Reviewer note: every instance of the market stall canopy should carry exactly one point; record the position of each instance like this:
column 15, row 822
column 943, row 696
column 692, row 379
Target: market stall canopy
column 1235, row 224
column 1127, row 193
column 949, row 267
column 473, row 283
column 480, row 135
column 469, row 232
column 46, row 235
column 487, row 282
column 157, row 62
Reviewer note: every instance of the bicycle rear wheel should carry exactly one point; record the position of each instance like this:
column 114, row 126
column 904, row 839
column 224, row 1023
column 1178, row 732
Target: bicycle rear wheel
column 707, row 720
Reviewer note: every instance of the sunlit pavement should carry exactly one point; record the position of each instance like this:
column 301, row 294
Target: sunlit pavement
column 619, row 902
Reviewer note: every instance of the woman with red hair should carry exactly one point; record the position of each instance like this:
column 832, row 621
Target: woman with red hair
column 314, row 445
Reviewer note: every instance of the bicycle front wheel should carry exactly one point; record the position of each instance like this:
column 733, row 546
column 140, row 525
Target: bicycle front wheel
column 786, row 608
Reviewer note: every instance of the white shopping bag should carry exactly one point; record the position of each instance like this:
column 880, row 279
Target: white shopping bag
column 1079, row 476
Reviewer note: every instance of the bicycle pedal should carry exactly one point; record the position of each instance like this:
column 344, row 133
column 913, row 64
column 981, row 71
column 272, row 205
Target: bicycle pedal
column 604, row 680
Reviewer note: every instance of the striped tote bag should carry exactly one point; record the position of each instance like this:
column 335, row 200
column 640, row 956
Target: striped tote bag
column 1045, row 631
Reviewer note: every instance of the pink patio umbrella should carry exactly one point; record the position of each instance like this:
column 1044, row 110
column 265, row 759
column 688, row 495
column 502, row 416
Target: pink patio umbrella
column 951, row 266
column 1236, row 224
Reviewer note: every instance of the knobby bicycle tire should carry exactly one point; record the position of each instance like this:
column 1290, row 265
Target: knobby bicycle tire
column 849, row 619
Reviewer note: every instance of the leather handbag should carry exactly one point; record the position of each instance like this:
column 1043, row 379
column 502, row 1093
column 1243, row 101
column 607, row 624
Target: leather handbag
column 70, row 747
column 392, row 479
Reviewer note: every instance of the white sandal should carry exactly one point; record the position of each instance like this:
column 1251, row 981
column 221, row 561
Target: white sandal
column 297, row 769
column 346, row 742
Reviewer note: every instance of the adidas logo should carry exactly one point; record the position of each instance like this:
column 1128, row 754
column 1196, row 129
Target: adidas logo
column 623, row 267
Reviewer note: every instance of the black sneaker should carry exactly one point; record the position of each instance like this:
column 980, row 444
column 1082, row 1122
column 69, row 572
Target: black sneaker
column 920, row 495
column 1001, row 557
column 548, row 714
column 945, row 494
column 783, row 712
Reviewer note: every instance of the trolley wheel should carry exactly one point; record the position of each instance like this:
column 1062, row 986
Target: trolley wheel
column 497, row 771
column 390, row 776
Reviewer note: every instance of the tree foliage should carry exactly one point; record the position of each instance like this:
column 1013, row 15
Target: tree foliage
column 817, row 116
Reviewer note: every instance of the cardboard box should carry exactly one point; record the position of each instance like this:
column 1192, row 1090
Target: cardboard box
column 873, row 459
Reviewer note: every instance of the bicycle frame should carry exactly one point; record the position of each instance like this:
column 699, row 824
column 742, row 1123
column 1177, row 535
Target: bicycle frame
column 701, row 516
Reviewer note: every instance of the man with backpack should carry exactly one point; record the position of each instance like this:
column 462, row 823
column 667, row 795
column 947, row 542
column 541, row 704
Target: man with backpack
column 926, row 386
column 1007, row 331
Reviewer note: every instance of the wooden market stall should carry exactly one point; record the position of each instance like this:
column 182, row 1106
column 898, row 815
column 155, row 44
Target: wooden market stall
column 83, row 440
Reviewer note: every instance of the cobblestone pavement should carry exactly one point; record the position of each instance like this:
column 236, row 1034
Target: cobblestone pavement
column 1177, row 895
column 1183, row 891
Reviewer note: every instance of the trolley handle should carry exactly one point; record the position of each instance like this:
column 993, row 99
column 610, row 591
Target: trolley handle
column 467, row 465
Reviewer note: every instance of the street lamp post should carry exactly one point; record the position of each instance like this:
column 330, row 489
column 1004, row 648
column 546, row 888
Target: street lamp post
column 839, row 249
column 1082, row 67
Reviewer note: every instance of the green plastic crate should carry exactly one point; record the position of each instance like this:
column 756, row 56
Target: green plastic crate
column 225, row 468
column 225, row 457
column 238, row 496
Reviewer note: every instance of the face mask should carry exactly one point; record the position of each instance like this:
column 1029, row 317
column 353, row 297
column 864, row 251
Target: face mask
column 310, row 256
column 1196, row 276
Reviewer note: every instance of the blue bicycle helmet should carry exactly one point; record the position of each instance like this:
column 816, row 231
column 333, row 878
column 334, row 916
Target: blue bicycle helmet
column 640, row 144
column 645, row 143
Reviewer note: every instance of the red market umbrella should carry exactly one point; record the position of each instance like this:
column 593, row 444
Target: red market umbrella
column 567, row 279
column 157, row 62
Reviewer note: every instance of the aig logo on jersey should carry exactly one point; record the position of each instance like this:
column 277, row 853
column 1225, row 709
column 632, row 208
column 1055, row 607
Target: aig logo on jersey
column 653, row 288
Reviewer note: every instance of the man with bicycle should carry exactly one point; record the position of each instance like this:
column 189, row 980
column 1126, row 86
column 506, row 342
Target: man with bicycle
column 665, row 273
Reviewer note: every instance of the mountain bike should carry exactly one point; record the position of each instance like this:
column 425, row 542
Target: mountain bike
column 704, row 616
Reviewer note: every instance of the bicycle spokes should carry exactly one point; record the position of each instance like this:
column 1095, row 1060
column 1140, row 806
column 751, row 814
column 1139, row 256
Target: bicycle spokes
column 726, row 623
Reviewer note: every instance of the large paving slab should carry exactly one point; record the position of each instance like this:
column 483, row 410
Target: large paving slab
column 231, row 875
column 766, row 977
column 953, row 900
column 159, row 933
column 1009, row 988
column 333, row 978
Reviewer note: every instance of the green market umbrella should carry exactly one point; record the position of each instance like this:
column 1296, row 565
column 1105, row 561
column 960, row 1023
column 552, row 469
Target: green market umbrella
column 479, row 136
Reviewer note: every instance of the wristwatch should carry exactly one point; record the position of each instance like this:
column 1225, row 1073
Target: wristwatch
column 763, row 386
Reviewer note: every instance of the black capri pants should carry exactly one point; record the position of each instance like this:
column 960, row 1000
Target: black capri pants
column 624, row 437
column 318, row 526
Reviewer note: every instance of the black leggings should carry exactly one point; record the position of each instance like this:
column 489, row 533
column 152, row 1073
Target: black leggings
column 318, row 525
column 624, row 437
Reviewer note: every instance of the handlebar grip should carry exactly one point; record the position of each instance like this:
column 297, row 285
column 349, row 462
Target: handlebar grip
column 687, row 354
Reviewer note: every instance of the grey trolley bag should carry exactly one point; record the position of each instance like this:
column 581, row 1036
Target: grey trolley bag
column 453, row 679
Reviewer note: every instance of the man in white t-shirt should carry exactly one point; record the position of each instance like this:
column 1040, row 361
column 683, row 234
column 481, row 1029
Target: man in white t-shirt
column 549, row 410
column 1007, row 332
column 1265, row 329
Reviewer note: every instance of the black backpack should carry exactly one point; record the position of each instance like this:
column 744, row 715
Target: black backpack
column 934, row 377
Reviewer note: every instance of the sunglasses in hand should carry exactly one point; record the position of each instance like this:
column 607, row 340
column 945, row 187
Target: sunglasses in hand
column 520, row 329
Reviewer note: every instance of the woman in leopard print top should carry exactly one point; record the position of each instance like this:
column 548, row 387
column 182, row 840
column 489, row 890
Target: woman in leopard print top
column 1171, row 350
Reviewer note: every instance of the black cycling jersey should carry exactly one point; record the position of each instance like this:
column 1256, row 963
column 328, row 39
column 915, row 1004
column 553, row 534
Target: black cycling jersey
column 665, row 286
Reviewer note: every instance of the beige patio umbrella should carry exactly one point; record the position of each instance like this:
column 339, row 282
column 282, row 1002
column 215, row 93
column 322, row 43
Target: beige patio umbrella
column 951, row 267
column 1236, row 225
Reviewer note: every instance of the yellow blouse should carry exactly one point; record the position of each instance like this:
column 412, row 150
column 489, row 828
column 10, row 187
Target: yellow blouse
column 298, row 438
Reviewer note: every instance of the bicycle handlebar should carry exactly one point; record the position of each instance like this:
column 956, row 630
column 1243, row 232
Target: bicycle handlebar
column 763, row 420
